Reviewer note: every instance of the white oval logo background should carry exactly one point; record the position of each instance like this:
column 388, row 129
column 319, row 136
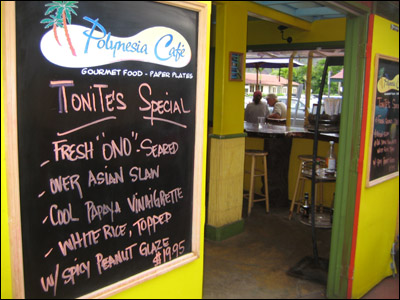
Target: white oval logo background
column 164, row 46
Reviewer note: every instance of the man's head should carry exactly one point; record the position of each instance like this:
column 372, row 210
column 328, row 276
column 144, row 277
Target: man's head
column 257, row 97
column 271, row 99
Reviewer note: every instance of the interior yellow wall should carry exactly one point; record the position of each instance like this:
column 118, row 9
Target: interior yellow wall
column 378, row 204
column 184, row 282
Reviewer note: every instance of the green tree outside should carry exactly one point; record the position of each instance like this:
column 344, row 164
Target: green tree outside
column 300, row 76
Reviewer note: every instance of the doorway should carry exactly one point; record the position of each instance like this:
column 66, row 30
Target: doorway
column 347, row 191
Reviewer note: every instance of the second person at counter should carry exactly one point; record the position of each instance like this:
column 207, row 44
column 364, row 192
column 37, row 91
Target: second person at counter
column 256, row 109
column 279, row 108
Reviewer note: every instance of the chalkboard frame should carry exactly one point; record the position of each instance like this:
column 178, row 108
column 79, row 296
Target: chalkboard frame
column 380, row 179
column 12, row 161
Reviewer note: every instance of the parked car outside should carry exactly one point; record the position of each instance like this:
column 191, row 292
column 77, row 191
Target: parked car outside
column 297, row 110
column 247, row 100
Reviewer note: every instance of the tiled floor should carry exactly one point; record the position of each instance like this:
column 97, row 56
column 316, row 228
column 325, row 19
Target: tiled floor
column 254, row 264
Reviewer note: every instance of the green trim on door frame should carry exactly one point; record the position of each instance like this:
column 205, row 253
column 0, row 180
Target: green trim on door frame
column 348, row 155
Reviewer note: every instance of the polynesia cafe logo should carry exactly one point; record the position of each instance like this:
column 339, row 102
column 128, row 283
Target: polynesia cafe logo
column 75, row 46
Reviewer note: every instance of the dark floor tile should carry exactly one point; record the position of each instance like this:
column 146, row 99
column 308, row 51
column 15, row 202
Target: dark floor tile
column 254, row 264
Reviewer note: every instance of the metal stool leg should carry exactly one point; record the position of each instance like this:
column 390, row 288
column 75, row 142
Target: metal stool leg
column 295, row 193
column 302, row 182
column 321, row 197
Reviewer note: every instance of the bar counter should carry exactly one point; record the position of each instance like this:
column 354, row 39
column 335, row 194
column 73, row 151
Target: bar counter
column 273, row 130
column 277, row 141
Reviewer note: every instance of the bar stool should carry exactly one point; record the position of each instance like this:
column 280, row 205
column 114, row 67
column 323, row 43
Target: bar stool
column 300, row 183
column 256, row 173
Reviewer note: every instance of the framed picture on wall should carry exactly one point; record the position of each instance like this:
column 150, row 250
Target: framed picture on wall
column 235, row 66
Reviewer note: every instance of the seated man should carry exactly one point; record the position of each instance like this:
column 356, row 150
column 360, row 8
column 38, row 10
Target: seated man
column 256, row 109
column 279, row 108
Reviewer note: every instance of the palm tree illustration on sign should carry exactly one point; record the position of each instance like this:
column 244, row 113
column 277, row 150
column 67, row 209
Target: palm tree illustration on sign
column 63, row 10
column 55, row 22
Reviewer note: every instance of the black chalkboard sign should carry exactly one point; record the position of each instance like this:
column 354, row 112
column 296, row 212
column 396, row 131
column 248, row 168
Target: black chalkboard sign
column 384, row 142
column 108, row 115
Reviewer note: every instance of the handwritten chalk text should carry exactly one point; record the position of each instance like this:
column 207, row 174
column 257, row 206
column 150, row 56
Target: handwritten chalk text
column 154, row 199
column 94, row 99
column 158, row 108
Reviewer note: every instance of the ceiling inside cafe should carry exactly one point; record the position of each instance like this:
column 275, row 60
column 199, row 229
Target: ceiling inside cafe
column 322, row 53
column 318, row 10
column 309, row 11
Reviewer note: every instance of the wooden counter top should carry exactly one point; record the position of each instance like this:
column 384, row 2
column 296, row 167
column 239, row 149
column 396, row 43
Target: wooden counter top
column 271, row 130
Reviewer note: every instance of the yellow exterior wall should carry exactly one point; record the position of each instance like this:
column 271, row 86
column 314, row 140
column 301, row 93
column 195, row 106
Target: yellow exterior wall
column 227, row 145
column 378, row 204
column 182, row 283
column 231, row 31
column 226, row 179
